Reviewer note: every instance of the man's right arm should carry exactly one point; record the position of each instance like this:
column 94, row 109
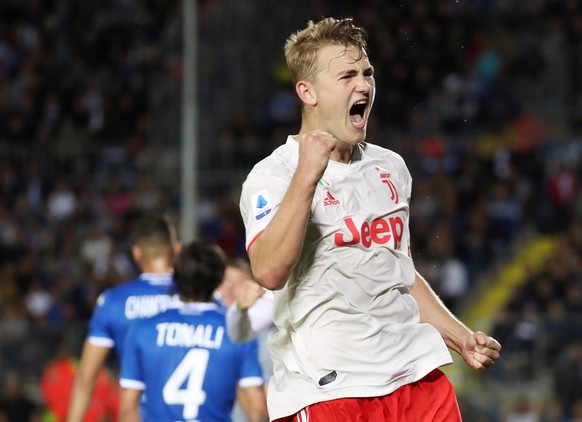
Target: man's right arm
column 277, row 249
column 275, row 252
column 92, row 360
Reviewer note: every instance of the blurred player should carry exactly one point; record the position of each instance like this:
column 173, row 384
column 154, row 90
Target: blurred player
column 184, row 360
column 236, row 272
column 154, row 246
column 359, row 334
column 249, row 314
column 250, row 306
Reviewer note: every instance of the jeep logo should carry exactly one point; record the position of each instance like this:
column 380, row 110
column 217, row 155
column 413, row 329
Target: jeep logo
column 378, row 231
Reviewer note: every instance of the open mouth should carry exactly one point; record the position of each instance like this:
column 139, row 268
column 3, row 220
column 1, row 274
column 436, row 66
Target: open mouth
column 358, row 114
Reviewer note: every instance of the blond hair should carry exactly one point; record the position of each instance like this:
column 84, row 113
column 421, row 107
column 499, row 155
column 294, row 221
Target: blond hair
column 302, row 47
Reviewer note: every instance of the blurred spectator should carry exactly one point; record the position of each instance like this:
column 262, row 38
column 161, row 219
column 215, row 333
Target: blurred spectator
column 118, row 200
column 113, row 268
column 96, row 247
column 15, row 406
column 447, row 273
column 147, row 195
column 504, row 217
column 521, row 410
column 558, row 328
column 38, row 301
column 568, row 379
column 61, row 202
column 526, row 330
column 14, row 329
column 563, row 189
column 56, row 383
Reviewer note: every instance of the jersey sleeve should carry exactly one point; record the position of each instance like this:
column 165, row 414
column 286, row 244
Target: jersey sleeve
column 244, row 326
column 100, row 332
column 131, row 375
column 260, row 199
column 251, row 374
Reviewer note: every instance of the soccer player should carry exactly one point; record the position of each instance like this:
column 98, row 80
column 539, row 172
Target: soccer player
column 249, row 314
column 359, row 334
column 250, row 306
column 237, row 271
column 154, row 246
column 184, row 360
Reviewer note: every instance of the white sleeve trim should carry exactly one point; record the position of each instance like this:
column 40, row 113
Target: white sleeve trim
column 132, row 384
column 250, row 382
column 101, row 341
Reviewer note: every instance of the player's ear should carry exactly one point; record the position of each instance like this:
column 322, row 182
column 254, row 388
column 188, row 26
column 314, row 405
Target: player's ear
column 306, row 93
column 177, row 247
column 136, row 253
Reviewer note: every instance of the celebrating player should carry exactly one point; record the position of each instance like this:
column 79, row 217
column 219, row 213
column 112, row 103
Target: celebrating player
column 184, row 360
column 154, row 246
column 359, row 334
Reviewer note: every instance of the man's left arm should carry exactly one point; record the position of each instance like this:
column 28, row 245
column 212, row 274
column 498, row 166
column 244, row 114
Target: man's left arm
column 479, row 350
column 253, row 402
column 129, row 403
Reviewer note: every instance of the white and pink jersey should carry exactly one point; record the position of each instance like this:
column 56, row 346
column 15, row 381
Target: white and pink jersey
column 345, row 323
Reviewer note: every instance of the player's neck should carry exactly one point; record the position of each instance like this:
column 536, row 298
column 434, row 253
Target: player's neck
column 342, row 152
column 157, row 266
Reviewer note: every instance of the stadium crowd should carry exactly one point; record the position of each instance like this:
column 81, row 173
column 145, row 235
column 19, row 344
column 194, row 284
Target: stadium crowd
column 459, row 82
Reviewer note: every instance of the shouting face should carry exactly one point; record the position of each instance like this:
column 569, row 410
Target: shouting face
column 340, row 97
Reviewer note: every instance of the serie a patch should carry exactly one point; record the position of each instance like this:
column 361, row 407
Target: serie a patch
column 261, row 203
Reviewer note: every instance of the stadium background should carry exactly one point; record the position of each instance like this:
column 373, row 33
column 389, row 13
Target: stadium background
column 482, row 98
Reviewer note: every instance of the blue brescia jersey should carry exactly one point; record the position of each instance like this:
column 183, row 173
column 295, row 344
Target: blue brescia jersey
column 117, row 308
column 186, row 363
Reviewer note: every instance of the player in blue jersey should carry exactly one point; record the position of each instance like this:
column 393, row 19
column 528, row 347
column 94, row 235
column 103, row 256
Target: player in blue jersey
column 184, row 360
column 154, row 246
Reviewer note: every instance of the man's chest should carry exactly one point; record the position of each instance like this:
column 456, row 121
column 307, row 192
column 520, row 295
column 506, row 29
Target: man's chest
column 367, row 207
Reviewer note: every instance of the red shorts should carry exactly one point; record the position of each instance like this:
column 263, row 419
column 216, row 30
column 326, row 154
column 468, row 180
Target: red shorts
column 430, row 399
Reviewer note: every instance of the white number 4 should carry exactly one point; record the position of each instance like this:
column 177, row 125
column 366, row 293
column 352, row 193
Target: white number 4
column 191, row 370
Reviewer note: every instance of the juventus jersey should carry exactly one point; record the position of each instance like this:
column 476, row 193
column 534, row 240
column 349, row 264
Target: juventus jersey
column 117, row 308
column 345, row 322
column 188, row 366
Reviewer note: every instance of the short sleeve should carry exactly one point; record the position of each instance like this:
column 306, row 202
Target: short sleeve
column 100, row 331
column 131, row 375
column 251, row 373
column 260, row 199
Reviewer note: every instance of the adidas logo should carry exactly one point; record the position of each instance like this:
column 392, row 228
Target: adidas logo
column 330, row 200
